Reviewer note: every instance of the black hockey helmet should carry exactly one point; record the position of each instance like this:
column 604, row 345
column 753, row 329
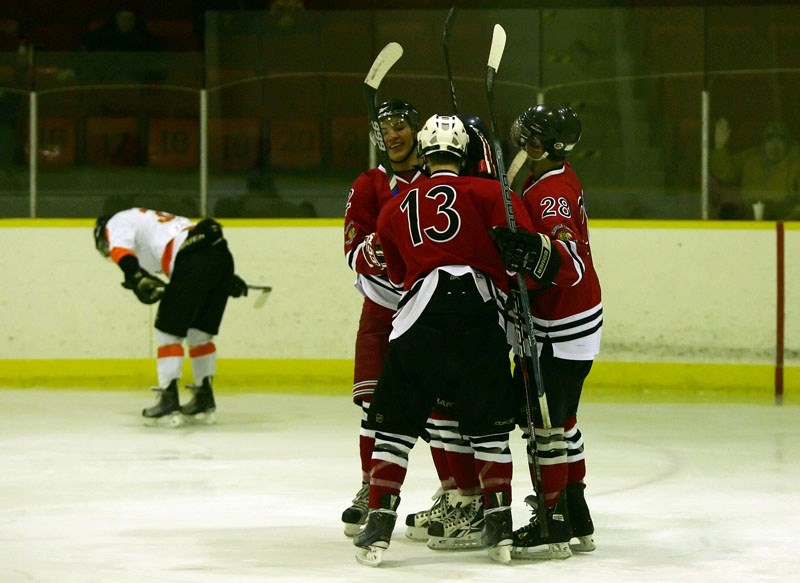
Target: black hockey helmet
column 100, row 238
column 400, row 108
column 480, row 154
column 558, row 128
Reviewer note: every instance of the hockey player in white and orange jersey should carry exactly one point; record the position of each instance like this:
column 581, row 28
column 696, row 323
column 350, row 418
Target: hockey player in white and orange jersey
column 568, row 317
column 200, row 270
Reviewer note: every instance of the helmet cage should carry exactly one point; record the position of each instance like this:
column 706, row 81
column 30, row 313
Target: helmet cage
column 401, row 109
column 100, row 237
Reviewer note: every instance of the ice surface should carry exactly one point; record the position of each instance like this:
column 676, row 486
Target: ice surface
column 678, row 493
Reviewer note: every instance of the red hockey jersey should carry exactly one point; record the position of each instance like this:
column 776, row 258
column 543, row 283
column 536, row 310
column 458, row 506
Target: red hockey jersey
column 569, row 313
column 369, row 193
column 443, row 223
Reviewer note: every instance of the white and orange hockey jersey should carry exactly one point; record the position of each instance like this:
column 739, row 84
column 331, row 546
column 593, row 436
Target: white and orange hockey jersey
column 154, row 237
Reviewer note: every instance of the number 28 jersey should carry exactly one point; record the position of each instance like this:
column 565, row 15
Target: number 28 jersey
column 568, row 314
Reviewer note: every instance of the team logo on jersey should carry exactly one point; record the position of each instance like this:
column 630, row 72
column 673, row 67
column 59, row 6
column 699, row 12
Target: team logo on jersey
column 561, row 233
column 349, row 233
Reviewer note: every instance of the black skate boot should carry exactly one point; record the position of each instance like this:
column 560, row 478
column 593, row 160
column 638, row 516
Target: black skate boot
column 355, row 516
column 580, row 519
column 375, row 537
column 201, row 408
column 529, row 542
column 497, row 530
column 167, row 410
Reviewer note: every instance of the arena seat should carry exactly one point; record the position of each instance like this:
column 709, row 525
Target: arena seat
column 234, row 143
column 112, row 140
column 350, row 142
column 173, row 143
column 295, row 143
column 56, row 141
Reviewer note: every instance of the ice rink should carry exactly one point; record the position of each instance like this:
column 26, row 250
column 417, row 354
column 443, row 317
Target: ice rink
column 679, row 493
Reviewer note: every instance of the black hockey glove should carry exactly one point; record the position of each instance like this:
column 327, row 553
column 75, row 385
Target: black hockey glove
column 237, row 287
column 528, row 253
column 148, row 288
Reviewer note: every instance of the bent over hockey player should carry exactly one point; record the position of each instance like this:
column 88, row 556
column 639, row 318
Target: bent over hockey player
column 196, row 259
column 448, row 337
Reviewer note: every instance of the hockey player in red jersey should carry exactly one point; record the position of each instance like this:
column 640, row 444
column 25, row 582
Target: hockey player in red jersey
column 448, row 337
column 455, row 521
column 568, row 318
column 196, row 259
column 399, row 121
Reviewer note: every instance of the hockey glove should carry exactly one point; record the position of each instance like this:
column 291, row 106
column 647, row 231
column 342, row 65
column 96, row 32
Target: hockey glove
column 528, row 253
column 148, row 288
column 237, row 287
column 373, row 252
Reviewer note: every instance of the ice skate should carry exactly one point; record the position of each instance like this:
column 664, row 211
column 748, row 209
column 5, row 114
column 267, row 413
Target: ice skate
column 417, row 524
column 462, row 528
column 497, row 530
column 529, row 543
column 167, row 410
column 376, row 535
column 355, row 516
column 202, row 408
column 580, row 519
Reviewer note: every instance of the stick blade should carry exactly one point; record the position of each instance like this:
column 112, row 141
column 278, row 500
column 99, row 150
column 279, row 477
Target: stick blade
column 385, row 60
column 497, row 48
column 516, row 165
column 448, row 25
column 262, row 298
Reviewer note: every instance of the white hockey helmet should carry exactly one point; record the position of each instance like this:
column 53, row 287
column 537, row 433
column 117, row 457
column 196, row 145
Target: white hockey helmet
column 443, row 133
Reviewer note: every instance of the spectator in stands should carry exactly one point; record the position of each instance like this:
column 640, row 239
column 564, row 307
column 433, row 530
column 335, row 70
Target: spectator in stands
column 768, row 173
column 126, row 31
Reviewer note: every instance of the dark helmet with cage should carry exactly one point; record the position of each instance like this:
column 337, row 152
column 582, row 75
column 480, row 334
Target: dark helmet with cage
column 443, row 134
column 480, row 154
column 402, row 109
column 558, row 128
column 100, row 237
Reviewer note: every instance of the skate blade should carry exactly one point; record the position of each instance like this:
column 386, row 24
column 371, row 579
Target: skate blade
column 585, row 544
column 467, row 542
column 542, row 552
column 351, row 530
column 170, row 420
column 417, row 533
column 207, row 418
column 501, row 554
column 372, row 556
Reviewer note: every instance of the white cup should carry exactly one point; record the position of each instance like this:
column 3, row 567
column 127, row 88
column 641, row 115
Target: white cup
column 758, row 211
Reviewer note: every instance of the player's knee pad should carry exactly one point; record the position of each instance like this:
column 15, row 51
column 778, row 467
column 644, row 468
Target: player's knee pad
column 196, row 337
column 164, row 339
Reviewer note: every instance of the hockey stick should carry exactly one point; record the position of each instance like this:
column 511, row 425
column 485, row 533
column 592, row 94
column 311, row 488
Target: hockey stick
column 525, row 331
column 262, row 298
column 516, row 165
column 448, row 23
column 385, row 60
